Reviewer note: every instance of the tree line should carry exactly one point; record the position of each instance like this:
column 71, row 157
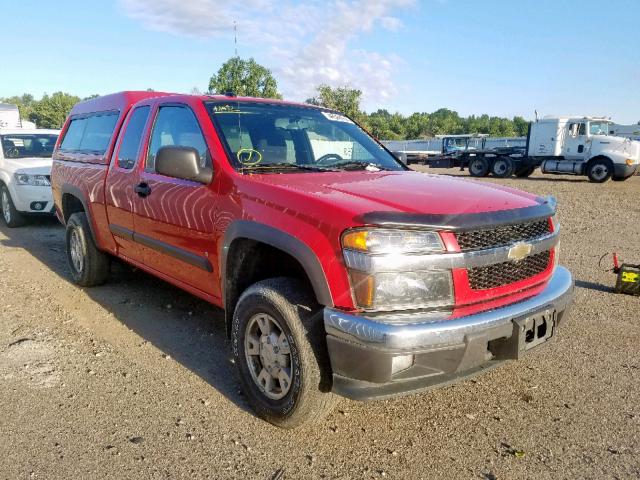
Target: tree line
column 248, row 78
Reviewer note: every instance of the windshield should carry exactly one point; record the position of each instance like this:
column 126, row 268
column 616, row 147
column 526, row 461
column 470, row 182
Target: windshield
column 28, row 145
column 599, row 128
column 285, row 137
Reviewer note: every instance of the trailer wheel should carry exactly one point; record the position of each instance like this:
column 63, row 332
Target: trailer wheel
column 524, row 172
column 502, row 167
column 599, row 170
column 479, row 167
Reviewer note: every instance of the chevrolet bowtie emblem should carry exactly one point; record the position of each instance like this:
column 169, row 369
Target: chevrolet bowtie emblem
column 520, row 251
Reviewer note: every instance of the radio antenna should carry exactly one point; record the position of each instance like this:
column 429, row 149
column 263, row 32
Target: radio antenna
column 235, row 36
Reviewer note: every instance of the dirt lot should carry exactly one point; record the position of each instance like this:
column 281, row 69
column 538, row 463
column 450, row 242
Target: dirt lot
column 134, row 380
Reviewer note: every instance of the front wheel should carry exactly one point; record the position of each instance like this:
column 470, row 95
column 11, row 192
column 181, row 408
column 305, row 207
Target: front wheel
column 599, row 170
column 89, row 266
column 524, row 172
column 279, row 348
column 10, row 215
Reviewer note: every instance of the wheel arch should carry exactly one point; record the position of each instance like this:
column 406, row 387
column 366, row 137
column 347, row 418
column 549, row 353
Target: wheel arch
column 243, row 240
column 74, row 201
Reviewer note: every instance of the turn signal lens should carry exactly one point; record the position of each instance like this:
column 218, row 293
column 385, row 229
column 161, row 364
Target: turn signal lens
column 356, row 240
column 363, row 288
column 629, row 161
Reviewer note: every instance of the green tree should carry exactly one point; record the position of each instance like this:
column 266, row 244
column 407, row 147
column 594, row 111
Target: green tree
column 245, row 78
column 342, row 99
column 25, row 104
column 51, row 111
column 521, row 126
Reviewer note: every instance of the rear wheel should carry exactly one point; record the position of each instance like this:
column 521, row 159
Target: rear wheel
column 479, row 167
column 524, row 172
column 599, row 170
column 89, row 266
column 279, row 348
column 12, row 218
column 502, row 167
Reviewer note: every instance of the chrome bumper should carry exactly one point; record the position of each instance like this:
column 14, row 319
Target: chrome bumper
column 362, row 348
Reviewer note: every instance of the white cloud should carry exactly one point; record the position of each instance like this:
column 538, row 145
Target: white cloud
column 306, row 43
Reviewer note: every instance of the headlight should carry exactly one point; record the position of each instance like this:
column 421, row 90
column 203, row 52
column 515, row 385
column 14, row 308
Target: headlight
column 33, row 180
column 393, row 241
column 385, row 285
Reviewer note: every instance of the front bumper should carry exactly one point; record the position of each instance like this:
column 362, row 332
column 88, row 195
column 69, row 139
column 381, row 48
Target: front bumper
column 25, row 196
column 362, row 349
column 621, row 170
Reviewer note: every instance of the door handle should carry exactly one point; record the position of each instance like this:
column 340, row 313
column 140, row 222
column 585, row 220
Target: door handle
column 142, row 189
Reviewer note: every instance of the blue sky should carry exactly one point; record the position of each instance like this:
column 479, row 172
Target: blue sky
column 498, row 57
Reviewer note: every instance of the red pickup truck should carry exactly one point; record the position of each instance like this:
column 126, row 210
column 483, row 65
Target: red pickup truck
column 339, row 270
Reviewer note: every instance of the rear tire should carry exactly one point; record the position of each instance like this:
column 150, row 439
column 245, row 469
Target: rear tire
column 479, row 167
column 502, row 167
column 524, row 172
column 89, row 266
column 12, row 218
column 280, row 351
column 599, row 170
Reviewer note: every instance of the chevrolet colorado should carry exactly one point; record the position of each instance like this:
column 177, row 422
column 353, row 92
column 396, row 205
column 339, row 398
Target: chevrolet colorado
column 339, row 270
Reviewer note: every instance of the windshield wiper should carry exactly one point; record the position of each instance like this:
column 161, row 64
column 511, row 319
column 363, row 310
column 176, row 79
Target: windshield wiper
column 285, row 166
column 355, row 165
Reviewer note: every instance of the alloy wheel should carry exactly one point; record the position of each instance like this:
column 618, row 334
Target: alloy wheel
column 268, row 355
column 75, row 249
column 6, row 207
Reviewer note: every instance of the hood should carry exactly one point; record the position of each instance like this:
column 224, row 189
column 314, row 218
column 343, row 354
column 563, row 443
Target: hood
column 621, row 145
column 409, row 192
column 31, row 165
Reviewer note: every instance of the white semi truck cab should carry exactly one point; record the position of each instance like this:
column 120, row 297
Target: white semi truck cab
column 582, row 146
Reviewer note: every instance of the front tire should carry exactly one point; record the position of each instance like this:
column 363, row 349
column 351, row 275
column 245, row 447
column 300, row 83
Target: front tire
column 12, row 218
column 279, row 348
column 524, row 172
column 599, row 170
column 89, row 266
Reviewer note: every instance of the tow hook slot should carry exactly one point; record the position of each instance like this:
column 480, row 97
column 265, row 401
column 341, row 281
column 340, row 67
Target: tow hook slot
column 528, row 332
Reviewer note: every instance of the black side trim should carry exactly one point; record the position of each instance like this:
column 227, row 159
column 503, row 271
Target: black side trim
column 285, row 242
column 175, row 252
column 462, row 222
column 121, row 232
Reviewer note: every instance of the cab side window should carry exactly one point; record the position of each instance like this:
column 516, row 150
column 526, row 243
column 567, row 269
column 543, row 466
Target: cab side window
column 130, row 146
column 582, row 129
column 176, row 125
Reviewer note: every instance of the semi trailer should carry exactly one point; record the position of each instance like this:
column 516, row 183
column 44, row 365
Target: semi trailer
column 557, row 145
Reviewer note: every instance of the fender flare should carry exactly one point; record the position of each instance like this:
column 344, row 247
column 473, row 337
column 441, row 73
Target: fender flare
column 259, row 232
column 68, row 189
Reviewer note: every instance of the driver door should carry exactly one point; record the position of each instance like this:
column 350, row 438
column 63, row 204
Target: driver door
column 174, row 218
column 575, row 141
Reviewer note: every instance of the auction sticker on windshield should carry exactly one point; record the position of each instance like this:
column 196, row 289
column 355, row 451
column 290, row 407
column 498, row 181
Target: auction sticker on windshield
column 336, row 117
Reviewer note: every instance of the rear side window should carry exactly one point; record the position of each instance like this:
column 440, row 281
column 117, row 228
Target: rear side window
column 90, row 134
column 132, row 137
column 176, row 125
column 72, row 138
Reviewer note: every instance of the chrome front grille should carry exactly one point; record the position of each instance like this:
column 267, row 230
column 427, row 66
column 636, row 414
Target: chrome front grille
column 500, row 274
column 500, row 236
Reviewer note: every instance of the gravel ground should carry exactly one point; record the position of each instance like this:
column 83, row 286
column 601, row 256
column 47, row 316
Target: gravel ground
column 134, row 379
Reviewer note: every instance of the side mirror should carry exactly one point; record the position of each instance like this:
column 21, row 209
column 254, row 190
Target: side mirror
column 182, row 162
